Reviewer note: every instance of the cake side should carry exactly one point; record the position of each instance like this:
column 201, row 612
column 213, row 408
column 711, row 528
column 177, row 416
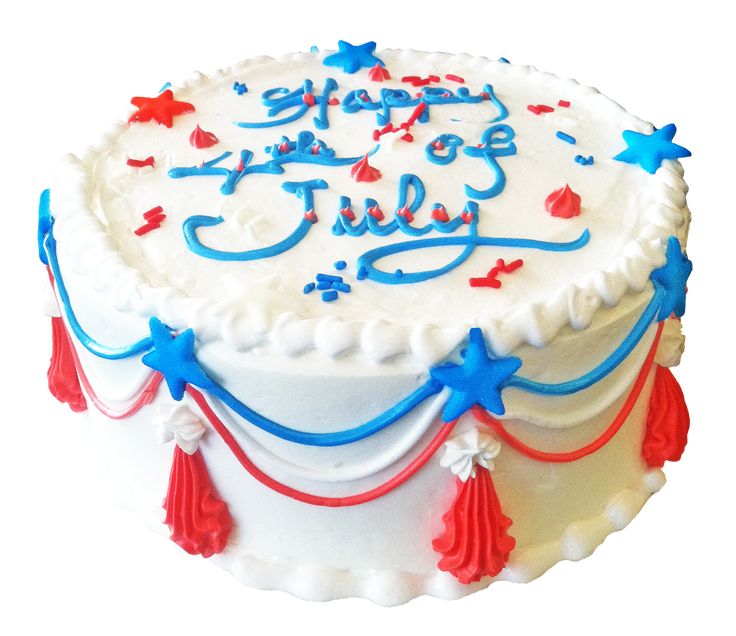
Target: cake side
column 391, row 445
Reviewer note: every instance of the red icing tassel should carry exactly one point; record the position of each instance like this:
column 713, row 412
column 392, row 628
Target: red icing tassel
column 202, row 139
column 62, row 374
column 199, row 522
column 363, row 171
column 378, row 73
column 668, row 421
column 475, row 542
column 563, row 203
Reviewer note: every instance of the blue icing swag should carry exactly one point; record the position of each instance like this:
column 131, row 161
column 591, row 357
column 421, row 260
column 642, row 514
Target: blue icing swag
column 480, row 379
column 302, row 189
column 649, row 151
column 351, row 57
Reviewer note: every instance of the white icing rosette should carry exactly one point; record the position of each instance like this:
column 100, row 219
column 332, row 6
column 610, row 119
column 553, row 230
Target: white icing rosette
column 175, row 422
column 470, row 449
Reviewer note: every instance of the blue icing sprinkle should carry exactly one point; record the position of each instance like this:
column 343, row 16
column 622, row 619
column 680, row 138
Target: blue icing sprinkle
column 309, row 287
column 584, row 161
column 314, row 49
column 565, row 137
column 329, row 296
column 324, row 284
column 503, row 60
column 164, row 87
column 240, row 88
column 351, row 57
column 340, row 265
column 343, row 287
column 329, row 278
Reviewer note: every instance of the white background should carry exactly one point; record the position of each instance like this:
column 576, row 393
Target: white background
column 71, row 562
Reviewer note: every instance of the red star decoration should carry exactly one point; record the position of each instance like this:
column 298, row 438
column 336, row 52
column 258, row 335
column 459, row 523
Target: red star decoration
column 161, row 109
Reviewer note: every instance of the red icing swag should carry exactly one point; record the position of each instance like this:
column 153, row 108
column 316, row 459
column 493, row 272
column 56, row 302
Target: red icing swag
column 668, row 421
column 199, row 521
column 62, row 374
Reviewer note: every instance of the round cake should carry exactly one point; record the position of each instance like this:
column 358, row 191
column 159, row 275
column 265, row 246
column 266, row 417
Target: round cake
column 375, row 324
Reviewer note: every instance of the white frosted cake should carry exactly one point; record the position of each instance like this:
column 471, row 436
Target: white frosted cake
column 406, row 318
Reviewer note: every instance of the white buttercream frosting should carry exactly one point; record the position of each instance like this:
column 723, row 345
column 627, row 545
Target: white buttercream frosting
column 100, row 200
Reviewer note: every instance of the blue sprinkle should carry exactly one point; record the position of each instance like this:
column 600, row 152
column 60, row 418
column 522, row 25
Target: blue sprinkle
column 329, row 296
column 309, row 287
column 314, row 49
column 328, row 278
column 164, row 87
column 339, row 265
column 343, row 287
column 399, row 273
column 565, row 137
column 240, row 88
column 362, row 273
column 504, row 60
column 324, row 284
column 584, row 161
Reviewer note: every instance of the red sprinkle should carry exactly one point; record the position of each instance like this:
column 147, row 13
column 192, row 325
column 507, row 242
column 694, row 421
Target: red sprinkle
column 491, row 279
column 454, row 78
column 153, row 212
column 563, row 103
column 141, row 163
column 540, row 108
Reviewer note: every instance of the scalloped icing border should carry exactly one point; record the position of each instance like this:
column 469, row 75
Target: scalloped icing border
column 93, row 254
column 312, row 582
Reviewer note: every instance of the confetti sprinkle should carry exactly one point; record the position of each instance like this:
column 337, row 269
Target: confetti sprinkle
column 563, row 103
column 584, row 161
column 240, row 88
column 340, row 265
column 309, row 288
column 329, row 296
column 539, row 108
column 141, row 163
column 455, row 78
column 565, row 137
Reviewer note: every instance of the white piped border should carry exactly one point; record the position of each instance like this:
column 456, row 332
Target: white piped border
column 313, row 582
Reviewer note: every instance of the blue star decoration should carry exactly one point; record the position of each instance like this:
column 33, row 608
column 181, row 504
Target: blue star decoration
column 351, row 58
column 173, row 356
column 649, row 151
column 478, row 380
column 673, row 277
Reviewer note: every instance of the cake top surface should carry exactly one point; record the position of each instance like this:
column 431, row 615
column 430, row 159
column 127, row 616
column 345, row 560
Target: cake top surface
column 384, row 201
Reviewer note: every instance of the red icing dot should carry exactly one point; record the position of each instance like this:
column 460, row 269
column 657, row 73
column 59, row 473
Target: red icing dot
column 378, row 73
column 376, row 213
column 202, row 139
column 563, row 203
column 406, row 213
column 311, row 216
column 363, row 171
column 308, row 99
column 440, row 214
column 162, row 109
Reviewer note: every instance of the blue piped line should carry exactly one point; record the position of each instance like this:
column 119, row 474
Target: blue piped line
column 604, row 368
column 337, row 438
column 89, row 343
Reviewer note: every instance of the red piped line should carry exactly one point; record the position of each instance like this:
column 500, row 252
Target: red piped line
column 141, row 163
column 498, row 428
column 317, row 500
column 146, row 395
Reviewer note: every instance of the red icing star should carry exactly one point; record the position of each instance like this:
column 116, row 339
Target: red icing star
column 161, row 109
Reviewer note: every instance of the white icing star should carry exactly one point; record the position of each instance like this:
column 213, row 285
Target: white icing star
column 178, row 424
column 463, row 452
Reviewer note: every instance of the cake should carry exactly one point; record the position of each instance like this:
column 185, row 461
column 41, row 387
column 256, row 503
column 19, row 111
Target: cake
column 374, row 323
